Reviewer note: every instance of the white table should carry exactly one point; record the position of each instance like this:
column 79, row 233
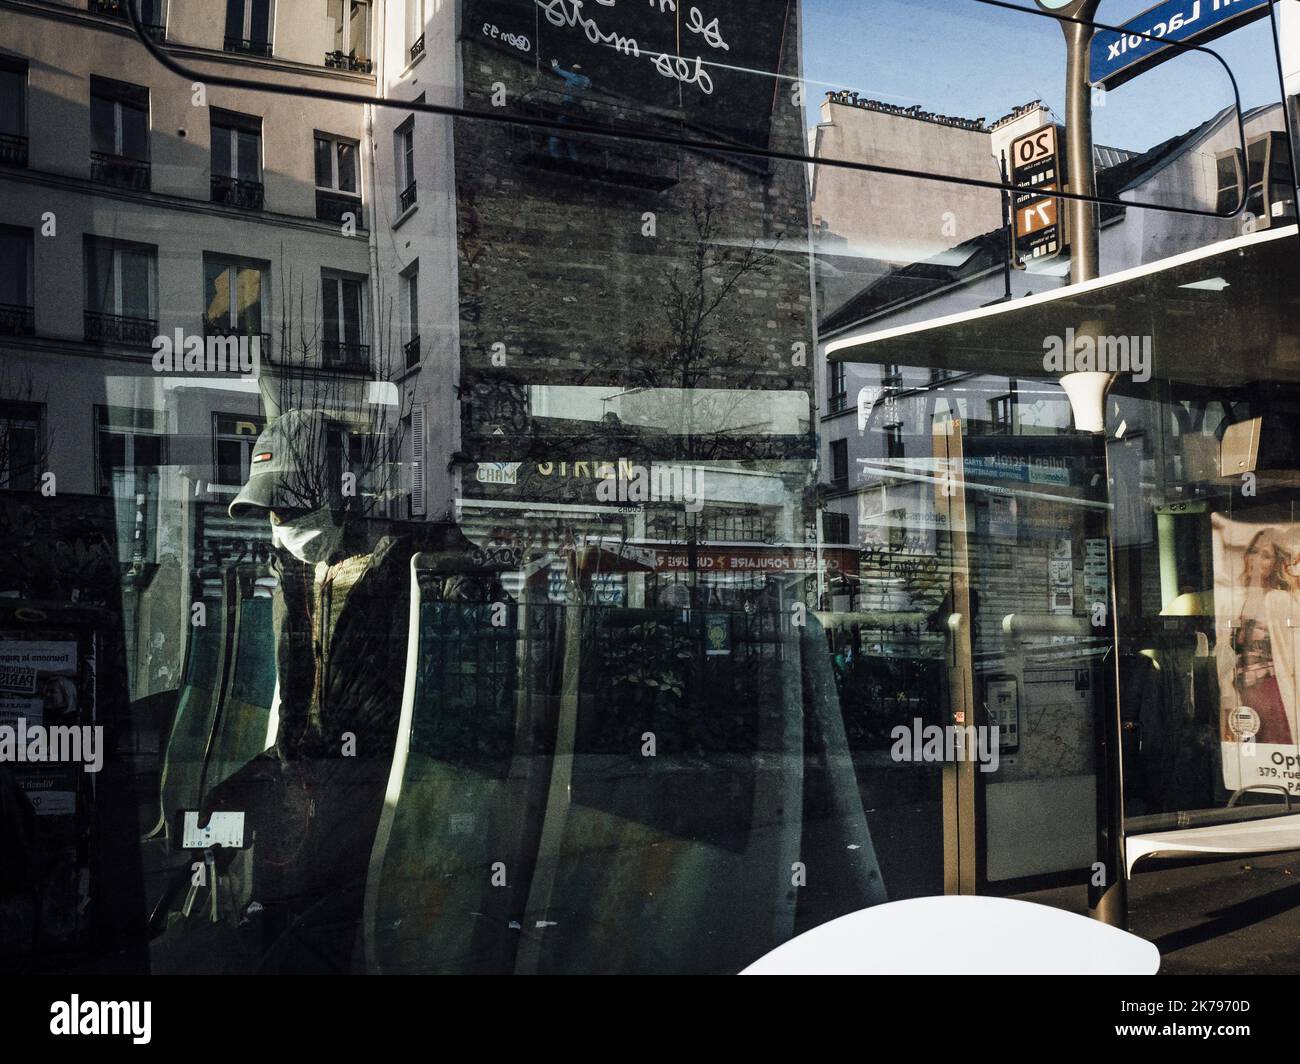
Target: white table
column 959, row 934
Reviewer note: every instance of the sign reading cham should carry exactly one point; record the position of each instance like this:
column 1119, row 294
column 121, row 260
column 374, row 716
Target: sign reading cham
column 1116, row 57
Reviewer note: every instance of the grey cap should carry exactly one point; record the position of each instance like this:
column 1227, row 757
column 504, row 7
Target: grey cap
column 288, row 467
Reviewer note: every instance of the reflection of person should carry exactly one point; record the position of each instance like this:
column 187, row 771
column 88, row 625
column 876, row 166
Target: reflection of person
column 1259, row 643
column 575, row 82
column 340, row 610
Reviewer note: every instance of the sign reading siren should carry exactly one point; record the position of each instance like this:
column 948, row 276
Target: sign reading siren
column 1115, row 57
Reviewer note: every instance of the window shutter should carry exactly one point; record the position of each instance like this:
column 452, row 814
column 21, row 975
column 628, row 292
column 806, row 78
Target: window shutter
column 417, row 460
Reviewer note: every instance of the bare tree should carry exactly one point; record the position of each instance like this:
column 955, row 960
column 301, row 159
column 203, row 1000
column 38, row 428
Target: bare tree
column 332, row 375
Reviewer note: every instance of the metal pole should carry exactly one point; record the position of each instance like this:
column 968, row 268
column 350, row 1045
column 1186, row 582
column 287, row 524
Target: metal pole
column 1084, row 223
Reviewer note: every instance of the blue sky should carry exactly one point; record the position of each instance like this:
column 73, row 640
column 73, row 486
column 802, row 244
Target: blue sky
column 965, row 58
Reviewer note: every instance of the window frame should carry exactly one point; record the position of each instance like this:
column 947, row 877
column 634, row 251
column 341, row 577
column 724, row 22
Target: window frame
column 13, row 412
column 118, row 247
column 120, row 95
column 339, row 278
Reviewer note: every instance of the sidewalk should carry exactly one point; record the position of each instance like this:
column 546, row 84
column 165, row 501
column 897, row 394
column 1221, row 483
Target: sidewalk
column 1239, row 916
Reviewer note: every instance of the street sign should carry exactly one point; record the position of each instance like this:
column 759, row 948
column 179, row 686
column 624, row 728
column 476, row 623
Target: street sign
column 1036, row 219
column 1114, row 58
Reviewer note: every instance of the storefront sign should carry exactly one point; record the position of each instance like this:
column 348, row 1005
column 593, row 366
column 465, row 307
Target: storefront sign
column 1117, row 57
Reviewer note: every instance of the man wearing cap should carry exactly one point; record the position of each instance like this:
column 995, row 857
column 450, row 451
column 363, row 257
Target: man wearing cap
column 340, row 615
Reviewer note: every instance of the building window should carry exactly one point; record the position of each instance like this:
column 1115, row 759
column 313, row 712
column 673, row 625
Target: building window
column 415, row 20
column 351, row 25
column 233, row 436
column 836, row 374
column 1269, row 193
column 236, row 159
column 411, row 314
column 894, row 441
column 344, row 324
column 20, row 446
column 17, row 309
column 337, row 191
column 835, row 527
column 119, row 134
column 13, row 112
column 892, row 376
column 840, row 463
column 1000, row 414
column 233, row 294
column 404, row 163
column 130, row 446
column 151, row 13
column 248, row 27
column 121, row 292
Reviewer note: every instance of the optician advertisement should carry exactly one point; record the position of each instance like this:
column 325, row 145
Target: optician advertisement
column 1257, row 625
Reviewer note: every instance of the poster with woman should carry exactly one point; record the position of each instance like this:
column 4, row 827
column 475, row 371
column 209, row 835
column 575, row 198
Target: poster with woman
column 1257, row 621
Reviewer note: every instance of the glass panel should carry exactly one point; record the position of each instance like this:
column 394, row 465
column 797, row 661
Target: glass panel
column 135, row 131
column 222, row 162
column 103, row 125
column 324, row 163
column 101, row 286
column 347, row 167
column 330, row 287
column 260, row 29
column 250, row 156
column 137, row 283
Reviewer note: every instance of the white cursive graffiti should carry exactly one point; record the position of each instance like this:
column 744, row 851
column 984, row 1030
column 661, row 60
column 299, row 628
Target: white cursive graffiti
column 563, row 13
column 679, row 67
column 711, row 33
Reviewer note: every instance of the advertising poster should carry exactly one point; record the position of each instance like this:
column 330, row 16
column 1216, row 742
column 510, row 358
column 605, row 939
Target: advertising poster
column 1257, row 602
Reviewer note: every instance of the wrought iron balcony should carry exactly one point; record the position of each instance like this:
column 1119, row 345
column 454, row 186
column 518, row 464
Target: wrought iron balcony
column 17, row 320
column 408, row 197
column 332, row 206
column 338, row 354
column 120, row 329
column 235, row 192
column 417, row 49
column 348, row 61
column 117, row 9
column 119, row 170
column 412, row 351
column 837, row 402
column 13, row 150
column 248, row 47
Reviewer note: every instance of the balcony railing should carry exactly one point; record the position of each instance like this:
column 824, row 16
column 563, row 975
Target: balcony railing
column 417, row 49
column 117, row 9
column 119, row 170
column 217, row 327
column 235, row 192
column 13, row 150
column 338, row 354
column 347, row 61
column 332, row 206
column 17, row 320
column 412, row 351
column 837, row 402
column 248, row 47
column 407, row 197
column 120, row 329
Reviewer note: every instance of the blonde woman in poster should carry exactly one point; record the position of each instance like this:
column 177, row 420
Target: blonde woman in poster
column 1256, row 594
